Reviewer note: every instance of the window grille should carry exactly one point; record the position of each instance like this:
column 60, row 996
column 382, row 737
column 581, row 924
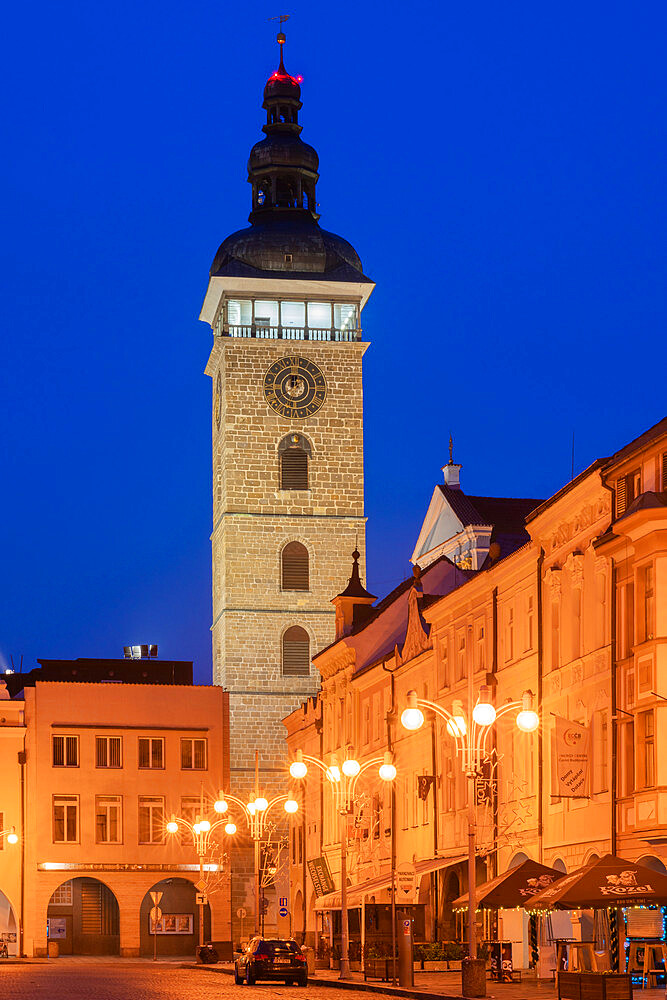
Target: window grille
column 65, row 751
column 296, row 652
column 108, row 751
column 193, row 754
column 295, row 567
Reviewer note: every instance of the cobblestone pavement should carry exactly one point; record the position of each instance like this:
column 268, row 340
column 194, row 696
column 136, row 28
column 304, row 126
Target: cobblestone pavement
column 145, row 982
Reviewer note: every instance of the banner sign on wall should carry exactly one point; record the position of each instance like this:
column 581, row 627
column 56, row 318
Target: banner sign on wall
column 571, row 777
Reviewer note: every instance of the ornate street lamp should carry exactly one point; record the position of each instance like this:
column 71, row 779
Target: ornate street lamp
column 11, row 835
column 471, row 737
column 201, row 833
column 342, row 780
column 256, row 813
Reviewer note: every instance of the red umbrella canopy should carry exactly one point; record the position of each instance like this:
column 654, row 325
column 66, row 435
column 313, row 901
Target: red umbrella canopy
column 610, row 881
column 515, row 887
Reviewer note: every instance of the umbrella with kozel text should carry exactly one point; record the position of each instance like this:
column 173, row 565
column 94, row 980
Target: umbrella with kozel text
column 515, row 887
column 609, row 881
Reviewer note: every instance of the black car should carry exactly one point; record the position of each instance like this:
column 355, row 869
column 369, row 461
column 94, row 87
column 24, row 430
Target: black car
column 271, row 958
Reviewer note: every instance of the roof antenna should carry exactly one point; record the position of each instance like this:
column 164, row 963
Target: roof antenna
column 572, row 476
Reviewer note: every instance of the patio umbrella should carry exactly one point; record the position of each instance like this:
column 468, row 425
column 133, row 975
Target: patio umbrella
column 515, row 887
column 607, row 882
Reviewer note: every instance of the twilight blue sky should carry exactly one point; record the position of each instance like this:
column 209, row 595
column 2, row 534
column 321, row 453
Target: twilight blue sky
column 499, row 167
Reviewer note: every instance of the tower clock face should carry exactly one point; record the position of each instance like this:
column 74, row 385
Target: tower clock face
column 295, row 387
column 217, row 403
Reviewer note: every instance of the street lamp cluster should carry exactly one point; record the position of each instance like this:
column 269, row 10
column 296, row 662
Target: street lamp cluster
column 342, row 778
column 471, row 735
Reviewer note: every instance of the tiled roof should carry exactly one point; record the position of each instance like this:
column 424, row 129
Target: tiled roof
column 506, row 514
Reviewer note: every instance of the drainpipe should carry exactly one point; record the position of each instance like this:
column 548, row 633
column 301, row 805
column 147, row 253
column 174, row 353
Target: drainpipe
column 391, row 715
column 434, row 786
column 614, row 709
column 540, row 731
column 22, row 761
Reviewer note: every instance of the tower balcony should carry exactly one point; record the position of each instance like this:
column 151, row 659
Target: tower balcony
column 262, row 332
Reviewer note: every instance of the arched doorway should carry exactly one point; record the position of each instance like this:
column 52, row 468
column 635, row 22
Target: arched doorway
column 655, row 864
column 8, row 928
column 83, row 918
column 178, row 928
column 298, row 928
column 451, row 889
column 560, row 865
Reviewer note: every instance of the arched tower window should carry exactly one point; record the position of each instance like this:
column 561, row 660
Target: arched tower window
column 295, row 567
column 296, row 651
column 294, row 452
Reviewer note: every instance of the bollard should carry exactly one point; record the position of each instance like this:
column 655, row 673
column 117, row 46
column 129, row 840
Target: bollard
column 406, row 975
column 473, row 977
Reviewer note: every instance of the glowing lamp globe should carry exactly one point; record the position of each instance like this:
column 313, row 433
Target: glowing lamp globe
column 261, row 804
column 196, row 827
column 412, row 717
column 172, row 826
column 220, row 806
column 484, row 713
column 12, row 838
column 204, row 825
column 298, row 769
column 456, row 726
column 333, row 772
column 528, row 720
column 387, row 772
column 351, row 768
column 291, row 806
column 251, row 808
column 230, row 828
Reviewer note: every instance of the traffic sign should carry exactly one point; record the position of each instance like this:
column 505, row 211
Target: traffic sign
column 156, row 897
column 283, row 901
column 241, row 913
column 200, row 885
column 407, row 927
column 406, row 883
column 201, row 898
column 156, row 914
column 283, row 911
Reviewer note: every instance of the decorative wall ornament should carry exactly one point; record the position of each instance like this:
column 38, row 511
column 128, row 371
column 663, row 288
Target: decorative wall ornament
column 581, row 522
column 416, row 637
column 555, row 681
column 575, row 565
column 553, row 580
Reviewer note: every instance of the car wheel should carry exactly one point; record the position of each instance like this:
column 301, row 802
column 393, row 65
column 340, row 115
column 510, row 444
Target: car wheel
column 289, row 982
column 237, row 979
column 249, row 976
column 303, row 981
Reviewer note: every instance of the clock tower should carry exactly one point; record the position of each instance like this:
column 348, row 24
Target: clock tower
column 284, row 301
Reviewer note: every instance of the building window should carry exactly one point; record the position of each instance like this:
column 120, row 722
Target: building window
column 509, row 634
column 575, row 623
column 627, row 489
column 646, row 749
column 444, row 663
column 461, row 656
column 601, row 751
column 65, row 751
column 191, row 807
column 108, row 751
column 555, row 635
column 151, row 752
column 479, row 651
column 151, row 820
column 108, row 819
column 648, row 610
column 628, row 731
column 193, row 754
column 65, row 819
column 62, row 896
column 296, row 652
column 295, row 567
column 319, row 316
column 625, row 620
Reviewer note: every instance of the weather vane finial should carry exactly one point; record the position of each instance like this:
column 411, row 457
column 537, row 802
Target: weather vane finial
column 451, row 450
column 281, row 18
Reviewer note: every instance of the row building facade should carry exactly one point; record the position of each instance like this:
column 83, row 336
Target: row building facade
column 564, row 598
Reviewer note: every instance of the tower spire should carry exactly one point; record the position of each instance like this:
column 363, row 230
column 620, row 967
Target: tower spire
column 280, row 37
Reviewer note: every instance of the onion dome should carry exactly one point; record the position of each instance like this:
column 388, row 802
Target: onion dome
column 284, row 234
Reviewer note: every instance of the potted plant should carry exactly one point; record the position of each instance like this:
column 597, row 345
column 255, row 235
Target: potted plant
column 453, row 954
column 434, row 957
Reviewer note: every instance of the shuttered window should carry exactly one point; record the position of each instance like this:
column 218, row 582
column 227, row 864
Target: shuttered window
column 621, row 497
column 295, row 567
column 294, row 469
column 296, row 651
column 664, row 472
column 628, row 489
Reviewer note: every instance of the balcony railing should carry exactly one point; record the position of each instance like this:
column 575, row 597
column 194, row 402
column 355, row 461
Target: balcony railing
column 292, row 333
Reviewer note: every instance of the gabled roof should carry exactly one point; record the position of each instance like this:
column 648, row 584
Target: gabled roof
column 653, row 433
